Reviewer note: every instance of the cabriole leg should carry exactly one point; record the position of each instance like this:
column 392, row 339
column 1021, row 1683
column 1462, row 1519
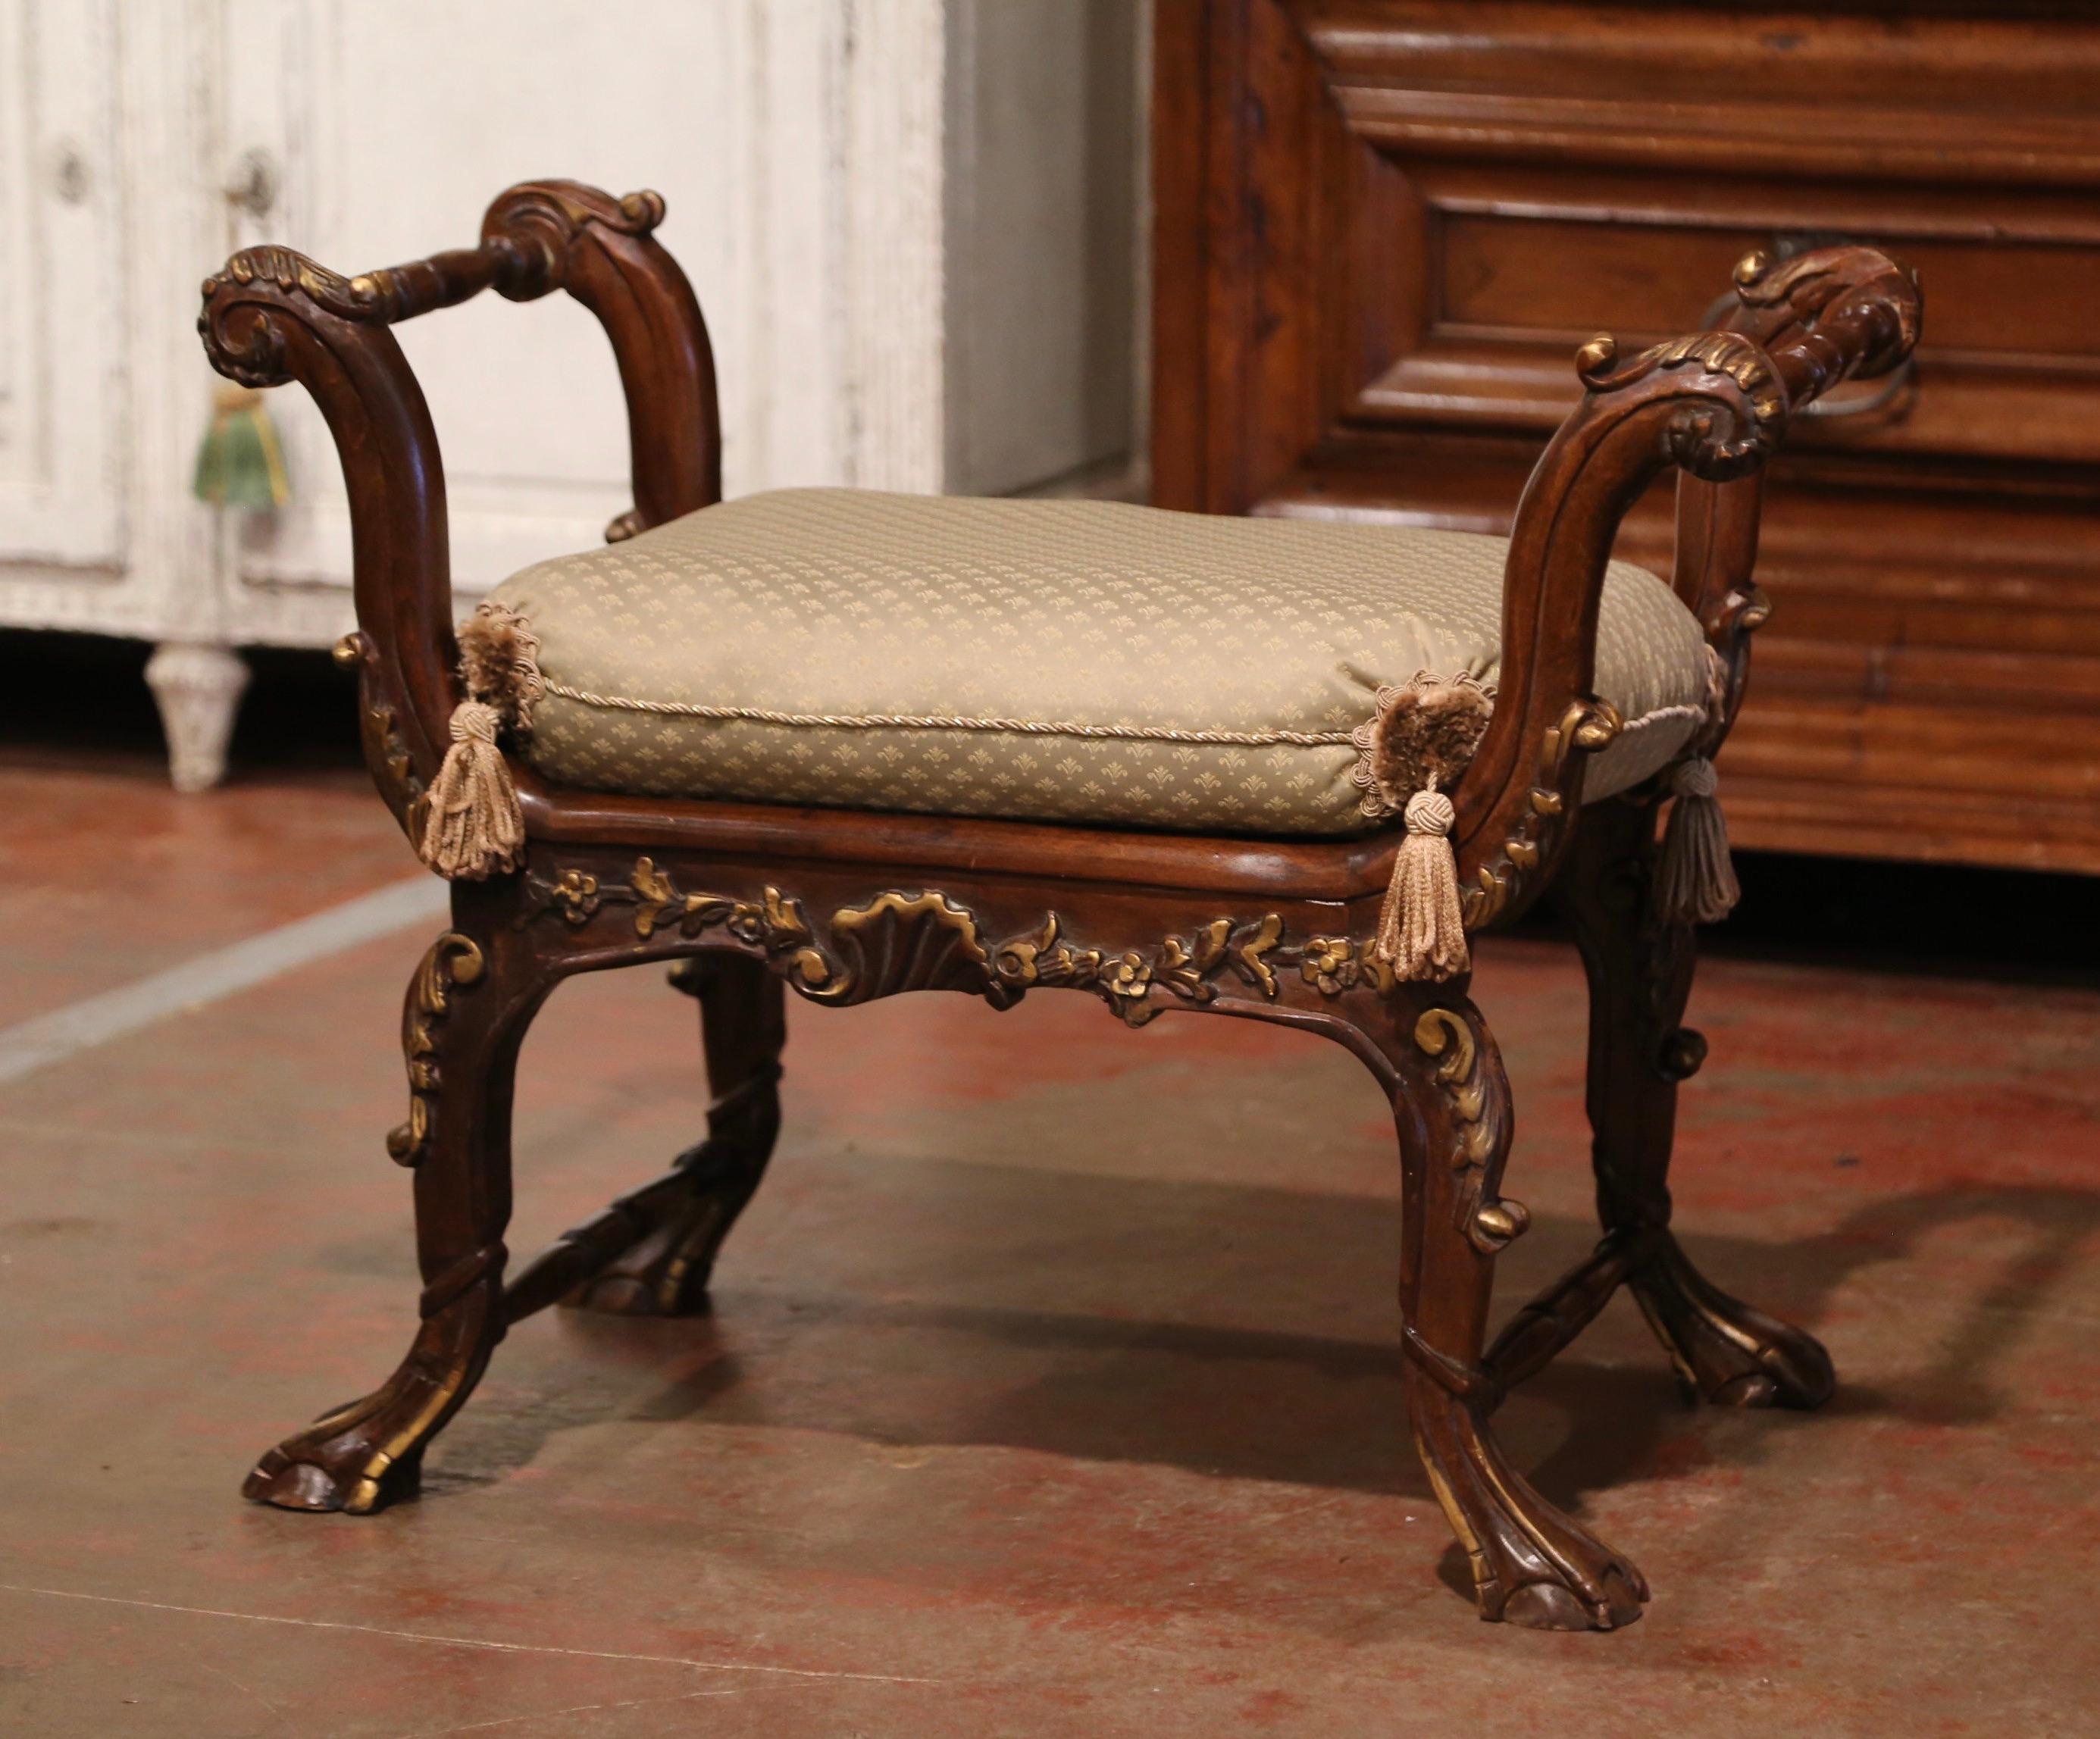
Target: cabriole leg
column 1531, row 1565
column 467, row 1010
column 1641, row 979
column 651, row 1252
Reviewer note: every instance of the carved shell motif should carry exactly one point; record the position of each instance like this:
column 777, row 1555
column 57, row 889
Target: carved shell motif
column 900, row 942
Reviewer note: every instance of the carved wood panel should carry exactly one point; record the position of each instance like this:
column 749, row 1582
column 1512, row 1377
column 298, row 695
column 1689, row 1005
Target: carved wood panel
column 1384, row 226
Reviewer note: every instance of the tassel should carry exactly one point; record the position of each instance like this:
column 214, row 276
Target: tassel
column 473, row 829
column 1695, row 881
column 1422, row 930
column 238, row 463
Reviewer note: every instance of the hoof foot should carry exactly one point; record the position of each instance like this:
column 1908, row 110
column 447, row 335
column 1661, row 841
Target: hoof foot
column 651, row 1254
column 362, row 1457
column 669, row 1234
column 643, row 1294
column 1553, row 1606
column 1726, row 1352
column 1550, row 1606
column 363, row 1484
column 1533, row 1564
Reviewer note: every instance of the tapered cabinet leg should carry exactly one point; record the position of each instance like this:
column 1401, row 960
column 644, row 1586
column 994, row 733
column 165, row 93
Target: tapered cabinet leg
column 198, row 687
column 1531, row 1565
column 466, row 1013
column 651, row 1252
column 1640, row 979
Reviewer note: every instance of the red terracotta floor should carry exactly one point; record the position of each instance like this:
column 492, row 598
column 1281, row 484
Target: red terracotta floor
column 1052, row 1386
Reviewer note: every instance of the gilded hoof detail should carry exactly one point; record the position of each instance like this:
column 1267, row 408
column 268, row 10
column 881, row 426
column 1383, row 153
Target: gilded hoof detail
column 1551, row 1606
column 664, row 1294
column 1795, row 1372
column 360, row 1458
column 1724, row 1350
column 1608, row 1598
column 288, row 1485
column 653, row 1252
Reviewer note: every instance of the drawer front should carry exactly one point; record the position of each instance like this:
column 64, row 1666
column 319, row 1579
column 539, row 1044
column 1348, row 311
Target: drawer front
column 1385, row 225
column 1509, row 267
column 1528, row 175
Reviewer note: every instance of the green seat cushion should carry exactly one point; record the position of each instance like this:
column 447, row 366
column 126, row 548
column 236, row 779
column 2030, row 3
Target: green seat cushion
column 1074, row 661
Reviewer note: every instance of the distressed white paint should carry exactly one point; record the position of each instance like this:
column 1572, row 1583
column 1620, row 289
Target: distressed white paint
column 892, row 211
column 62, row 309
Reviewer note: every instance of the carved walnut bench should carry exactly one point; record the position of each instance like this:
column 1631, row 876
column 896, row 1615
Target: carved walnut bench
column 854, row 744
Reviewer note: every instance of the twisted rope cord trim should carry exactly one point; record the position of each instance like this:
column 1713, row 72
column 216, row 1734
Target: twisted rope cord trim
column 1662, row 716
column 1020, row 727
column 910, row 721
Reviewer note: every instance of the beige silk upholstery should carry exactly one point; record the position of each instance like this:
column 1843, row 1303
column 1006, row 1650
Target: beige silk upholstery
column 1078, row 661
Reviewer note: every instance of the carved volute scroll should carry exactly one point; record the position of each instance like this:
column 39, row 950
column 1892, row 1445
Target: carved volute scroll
column 1710, row 440
column 1473, row 1085
column 271, row 315
column 1827, row 315
column 1707, row 402
column 602, row 251
column 1713, row 403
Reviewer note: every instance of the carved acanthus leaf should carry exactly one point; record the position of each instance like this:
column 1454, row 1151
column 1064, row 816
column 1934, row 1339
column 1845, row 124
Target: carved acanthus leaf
column 1477, row 1095
column 452, row 960
column 1587, row 726
column 1708, row 436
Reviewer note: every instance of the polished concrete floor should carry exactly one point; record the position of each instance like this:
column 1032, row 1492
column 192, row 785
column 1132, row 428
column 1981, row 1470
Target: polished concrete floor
column 1053, row 1385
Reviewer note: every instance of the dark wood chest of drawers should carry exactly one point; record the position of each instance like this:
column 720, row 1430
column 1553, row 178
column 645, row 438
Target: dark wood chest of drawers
column 1384, row 226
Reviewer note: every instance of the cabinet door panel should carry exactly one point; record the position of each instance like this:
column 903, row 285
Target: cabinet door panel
column 394, row 122
column 61, row 318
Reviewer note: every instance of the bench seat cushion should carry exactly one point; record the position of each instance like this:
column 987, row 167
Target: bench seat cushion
column 1074, row 661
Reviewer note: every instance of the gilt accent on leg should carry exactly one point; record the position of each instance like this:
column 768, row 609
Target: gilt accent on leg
column 1727, row 1351
column 360, row 1456
column 1531, row 1565
column 1641, row 979
column 652, row 1251
column 363, row 1456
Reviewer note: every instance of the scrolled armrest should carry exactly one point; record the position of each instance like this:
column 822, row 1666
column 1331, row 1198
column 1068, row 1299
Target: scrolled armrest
column 1827, row 315
column 271, row 314
column 1716, row 404
column 1821, row 317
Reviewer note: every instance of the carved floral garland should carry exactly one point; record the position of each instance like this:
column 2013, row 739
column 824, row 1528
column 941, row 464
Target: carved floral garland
column 924, row 941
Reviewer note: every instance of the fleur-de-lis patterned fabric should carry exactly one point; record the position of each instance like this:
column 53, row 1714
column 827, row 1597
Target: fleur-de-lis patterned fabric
column 1078, row 661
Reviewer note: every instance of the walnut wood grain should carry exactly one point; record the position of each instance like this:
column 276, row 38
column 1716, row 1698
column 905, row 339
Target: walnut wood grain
column 272, row 315
column 1383, row 225
column 753, row 901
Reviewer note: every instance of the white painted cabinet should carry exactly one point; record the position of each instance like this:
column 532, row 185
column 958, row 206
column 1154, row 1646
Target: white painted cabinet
column 62, row 302
column 911, row 223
